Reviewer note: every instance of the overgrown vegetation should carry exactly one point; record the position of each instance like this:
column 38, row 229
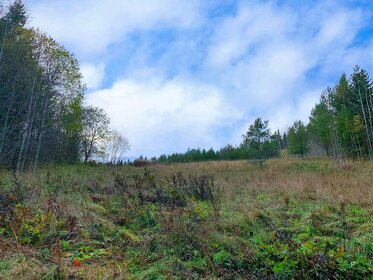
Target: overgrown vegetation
column 229, row 220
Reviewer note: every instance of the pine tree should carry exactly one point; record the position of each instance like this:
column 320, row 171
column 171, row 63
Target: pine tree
column 361, row 104
column 298, row 139
column 255, row 139
column 321, row 122
column 16, row 15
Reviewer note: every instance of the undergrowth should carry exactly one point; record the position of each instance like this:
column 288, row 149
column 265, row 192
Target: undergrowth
column 182, row 222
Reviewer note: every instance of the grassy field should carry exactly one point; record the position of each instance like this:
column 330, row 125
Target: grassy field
column 293, row 219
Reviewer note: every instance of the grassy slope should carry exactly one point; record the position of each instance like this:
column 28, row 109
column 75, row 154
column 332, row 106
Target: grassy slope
column 301, row 219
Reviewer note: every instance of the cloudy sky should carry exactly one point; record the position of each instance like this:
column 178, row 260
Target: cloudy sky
column 174, row 74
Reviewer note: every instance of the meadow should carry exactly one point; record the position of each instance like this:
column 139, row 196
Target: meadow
column 291, row 219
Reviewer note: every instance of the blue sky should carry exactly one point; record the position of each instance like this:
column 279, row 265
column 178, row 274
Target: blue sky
column 178, row 74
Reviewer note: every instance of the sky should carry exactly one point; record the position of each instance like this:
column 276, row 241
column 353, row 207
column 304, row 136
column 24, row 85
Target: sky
column 179, row 74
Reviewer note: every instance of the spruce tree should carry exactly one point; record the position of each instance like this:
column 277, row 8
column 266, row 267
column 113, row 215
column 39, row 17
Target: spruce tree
column 298, row 139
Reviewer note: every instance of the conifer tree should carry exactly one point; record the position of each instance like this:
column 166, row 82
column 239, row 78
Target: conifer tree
column 255, row 139
column 298, row 139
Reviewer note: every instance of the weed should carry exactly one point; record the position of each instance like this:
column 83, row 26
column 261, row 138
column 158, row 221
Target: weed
column 229, row 220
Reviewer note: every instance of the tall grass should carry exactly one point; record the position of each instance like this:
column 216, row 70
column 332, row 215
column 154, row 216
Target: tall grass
column 231, row 220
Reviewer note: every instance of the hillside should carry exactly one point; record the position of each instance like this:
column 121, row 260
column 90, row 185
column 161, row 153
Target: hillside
column 230, row 220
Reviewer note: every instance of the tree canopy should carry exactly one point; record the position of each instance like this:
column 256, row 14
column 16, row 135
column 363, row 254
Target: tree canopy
column 298, row 139
column 42, row 117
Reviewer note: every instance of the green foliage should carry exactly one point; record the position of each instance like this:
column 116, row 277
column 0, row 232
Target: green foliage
column 16, row 15
column 41, row 100
column 222, row 258
column 195, row 155
column 41, row 96
column 342, row 122
column 298, row 139
column 320, row 122
column 258, row 144
column 259, row 141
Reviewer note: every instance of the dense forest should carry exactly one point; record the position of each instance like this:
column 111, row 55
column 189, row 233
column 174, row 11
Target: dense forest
column 340, row 125
column 342, row 122
column 42, row 114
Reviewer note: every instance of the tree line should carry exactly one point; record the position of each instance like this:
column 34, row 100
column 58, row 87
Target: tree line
column 42, row 114
column 340, row 125
column 258, row 143
column 342, row 122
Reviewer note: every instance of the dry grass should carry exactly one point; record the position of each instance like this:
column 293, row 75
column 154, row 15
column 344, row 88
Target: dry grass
column 288, row 191
column 317, row 179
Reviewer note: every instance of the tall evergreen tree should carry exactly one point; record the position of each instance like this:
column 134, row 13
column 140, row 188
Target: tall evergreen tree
column 320, row 124
column 298, row 139
column 361, row 104
column 16, row 15
column 255, row 139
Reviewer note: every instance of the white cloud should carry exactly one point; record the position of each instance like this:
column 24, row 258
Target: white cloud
column 264, row 54
column 266, row 59
column 254, row 25
column 93, row 75
column 165, row 116
column 90, row 26
column 282, row 117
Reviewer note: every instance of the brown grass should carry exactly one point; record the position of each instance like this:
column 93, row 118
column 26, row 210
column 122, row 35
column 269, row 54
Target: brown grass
column 330, row 182
column 306, row 180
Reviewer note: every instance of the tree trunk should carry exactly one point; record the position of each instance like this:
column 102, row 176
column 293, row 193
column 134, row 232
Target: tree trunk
column 7, row 119
column 370, row 119
column 29, row 133
column 27, row 123
column 3, row 43
column 40, row 137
